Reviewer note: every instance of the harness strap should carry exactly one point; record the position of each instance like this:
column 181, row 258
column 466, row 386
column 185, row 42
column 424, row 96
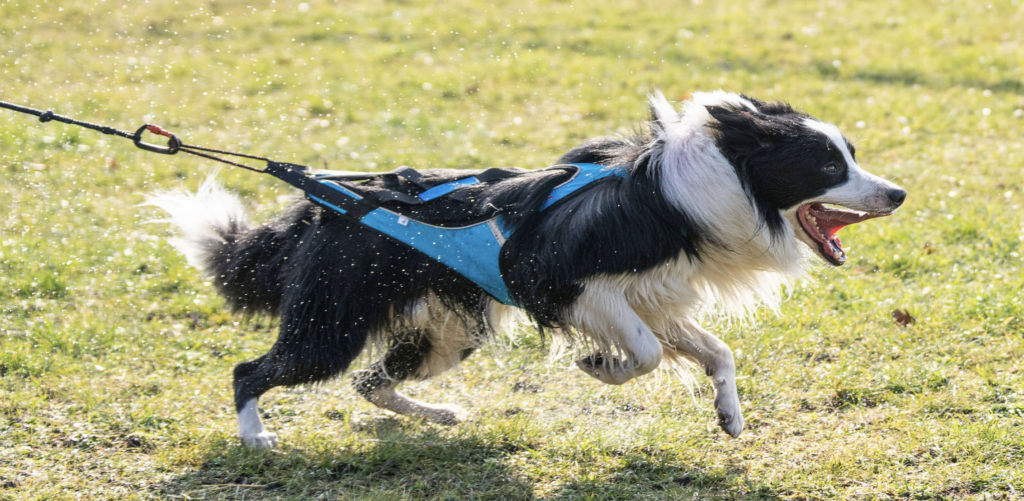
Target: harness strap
column 495, row 174
column 585, row 174
column 411, row 175
column 446, row 188
column 324, row 192
column 396, row 196
column 461, row 196
column 430, row 191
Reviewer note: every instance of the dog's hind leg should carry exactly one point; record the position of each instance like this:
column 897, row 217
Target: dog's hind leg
column 437, row 339
column 305, row 352
column 410, row 356
column 605, row 316
column 251, row 381
column 704, row 348
column 277, row 368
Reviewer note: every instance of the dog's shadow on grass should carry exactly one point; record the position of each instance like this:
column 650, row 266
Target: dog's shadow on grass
column 401, row 458
column 644, row 477
column 392, row 458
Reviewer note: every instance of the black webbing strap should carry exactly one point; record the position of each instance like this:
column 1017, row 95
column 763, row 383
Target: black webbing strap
column 396, row 196
column 461, row 196
column 320, row 192
column 416, row 178
column 495, row 174
column 486, row 176
column 411, row 175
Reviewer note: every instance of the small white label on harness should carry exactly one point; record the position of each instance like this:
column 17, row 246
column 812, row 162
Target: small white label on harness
column 402, row 220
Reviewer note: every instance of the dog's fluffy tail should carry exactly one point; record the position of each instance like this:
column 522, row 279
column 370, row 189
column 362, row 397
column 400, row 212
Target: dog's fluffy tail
column 209, row 221
column 243, row 262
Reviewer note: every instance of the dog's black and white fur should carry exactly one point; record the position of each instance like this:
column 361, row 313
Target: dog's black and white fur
column 719, row 206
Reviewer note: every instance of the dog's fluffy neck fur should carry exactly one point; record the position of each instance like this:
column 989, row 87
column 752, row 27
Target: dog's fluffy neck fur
column 741, row 264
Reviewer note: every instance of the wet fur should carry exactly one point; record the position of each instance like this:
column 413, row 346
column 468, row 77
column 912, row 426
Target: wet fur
column 699, row 223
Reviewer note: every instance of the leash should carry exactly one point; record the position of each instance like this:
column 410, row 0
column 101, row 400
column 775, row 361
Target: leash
column 174, row 145
column 299, row 176
column 472, row 250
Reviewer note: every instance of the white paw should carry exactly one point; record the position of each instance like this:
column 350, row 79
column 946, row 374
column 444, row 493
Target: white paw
column 730, row 417
column 608, row 371
column 447, row 414
column 262, row 441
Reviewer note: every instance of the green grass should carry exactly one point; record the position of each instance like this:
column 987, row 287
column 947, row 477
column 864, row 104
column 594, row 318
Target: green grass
column 115, row 357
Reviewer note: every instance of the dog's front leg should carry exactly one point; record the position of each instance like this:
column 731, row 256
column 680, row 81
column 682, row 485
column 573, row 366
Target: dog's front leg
column 716, row 358
column 604, row 315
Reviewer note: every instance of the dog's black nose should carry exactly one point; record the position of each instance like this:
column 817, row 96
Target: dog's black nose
column 897, row 196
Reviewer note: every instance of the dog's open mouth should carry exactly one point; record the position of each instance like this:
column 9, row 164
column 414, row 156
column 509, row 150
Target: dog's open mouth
column 822, row 223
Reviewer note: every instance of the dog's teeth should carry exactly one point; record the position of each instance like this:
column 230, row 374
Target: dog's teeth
column 814, row 221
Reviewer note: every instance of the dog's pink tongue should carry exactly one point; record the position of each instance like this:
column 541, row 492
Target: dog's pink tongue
column 830, row 228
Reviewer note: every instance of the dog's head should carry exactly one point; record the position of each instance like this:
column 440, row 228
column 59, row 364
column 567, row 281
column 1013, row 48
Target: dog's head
column 792, row 167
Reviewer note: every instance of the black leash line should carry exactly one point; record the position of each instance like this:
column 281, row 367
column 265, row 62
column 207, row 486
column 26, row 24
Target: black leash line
column 174, row 145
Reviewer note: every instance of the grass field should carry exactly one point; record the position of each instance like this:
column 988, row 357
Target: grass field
column 115, row 357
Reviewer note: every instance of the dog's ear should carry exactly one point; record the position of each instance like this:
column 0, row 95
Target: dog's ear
column 663, row 114
column 742, row 127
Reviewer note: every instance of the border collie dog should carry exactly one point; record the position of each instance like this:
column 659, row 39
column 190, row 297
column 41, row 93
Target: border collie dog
column 717, row 206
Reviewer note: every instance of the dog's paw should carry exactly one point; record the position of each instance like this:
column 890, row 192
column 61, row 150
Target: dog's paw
column 730, row 418
column 446, row 414
column 608, row 371
column 261, row 441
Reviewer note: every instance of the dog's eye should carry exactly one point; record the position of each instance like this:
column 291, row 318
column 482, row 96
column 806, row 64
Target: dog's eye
column 831, row 168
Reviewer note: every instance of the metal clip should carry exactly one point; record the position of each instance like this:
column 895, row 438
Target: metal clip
column 173, row 144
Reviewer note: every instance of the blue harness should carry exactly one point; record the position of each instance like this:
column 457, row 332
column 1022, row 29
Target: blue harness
column 472, row 251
